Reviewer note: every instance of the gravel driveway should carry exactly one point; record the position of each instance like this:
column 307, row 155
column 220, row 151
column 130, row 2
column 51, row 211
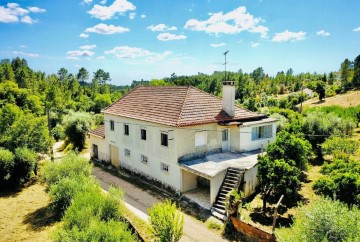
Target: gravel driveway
column 139, row 201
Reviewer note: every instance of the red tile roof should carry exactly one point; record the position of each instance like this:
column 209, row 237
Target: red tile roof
column 175, row 106
column 99, row 131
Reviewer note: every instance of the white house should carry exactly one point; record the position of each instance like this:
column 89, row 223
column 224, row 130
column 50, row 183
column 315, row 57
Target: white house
column 183, row 137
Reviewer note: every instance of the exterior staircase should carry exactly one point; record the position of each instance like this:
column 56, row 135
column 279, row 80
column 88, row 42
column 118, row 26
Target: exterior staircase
column 232, row 180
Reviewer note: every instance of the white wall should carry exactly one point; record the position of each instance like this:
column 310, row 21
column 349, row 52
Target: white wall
column 215, row 184
column 246, row 142
column 103, row 148
column 251, row 181
column 189, row 181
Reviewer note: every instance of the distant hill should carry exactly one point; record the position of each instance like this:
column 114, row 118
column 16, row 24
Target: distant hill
column 349, row 99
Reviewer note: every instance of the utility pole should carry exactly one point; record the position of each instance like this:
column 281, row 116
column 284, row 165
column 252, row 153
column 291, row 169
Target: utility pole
column 225, row 64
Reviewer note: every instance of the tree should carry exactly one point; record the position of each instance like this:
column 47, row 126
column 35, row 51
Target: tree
column 102, row 77
column 346, row 73
column 290, row 147
column 324, row 220
column 258, row 74
column 166, row 221
column 320, row 89
column 76, row 128
column 277, row 177
column 356, row 79
column 7, row 163
column 82, row 76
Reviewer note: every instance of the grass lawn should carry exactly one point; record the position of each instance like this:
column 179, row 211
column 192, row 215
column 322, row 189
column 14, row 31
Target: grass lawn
column 26, row 215
column 349, row 99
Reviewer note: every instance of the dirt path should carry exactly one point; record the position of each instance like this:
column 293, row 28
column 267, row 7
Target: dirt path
column 139, row 201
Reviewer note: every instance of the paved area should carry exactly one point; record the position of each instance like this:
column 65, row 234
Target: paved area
column 201, row 196
column 139, row 201
column 211, row 165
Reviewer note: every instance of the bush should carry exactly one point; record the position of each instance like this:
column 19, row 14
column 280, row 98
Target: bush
column 340, row 145
column 7, row 163
column 166, row 221
column 324, row 220
column 70, row 166
column 213, row 223
column 25, row 162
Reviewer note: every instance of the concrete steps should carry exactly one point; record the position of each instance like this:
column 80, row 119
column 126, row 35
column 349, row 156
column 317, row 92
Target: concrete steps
column 232, row 180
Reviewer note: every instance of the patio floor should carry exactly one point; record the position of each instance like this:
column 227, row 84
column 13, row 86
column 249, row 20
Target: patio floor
column 201, row 196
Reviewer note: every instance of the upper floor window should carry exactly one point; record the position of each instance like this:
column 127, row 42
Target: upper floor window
column 143, row 134
column 112, row 125
column 262, row 132
column 200, row 138
column 126, row 129
column 144, row 159
column 164, row 139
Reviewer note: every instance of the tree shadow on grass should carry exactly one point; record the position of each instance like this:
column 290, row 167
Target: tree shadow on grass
column 266, row 218
column 41, row 218
column 15, row 190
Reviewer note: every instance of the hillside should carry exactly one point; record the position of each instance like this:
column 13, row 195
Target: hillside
column 349, row 99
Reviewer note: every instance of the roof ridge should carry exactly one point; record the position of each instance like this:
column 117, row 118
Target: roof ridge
column 182, row 106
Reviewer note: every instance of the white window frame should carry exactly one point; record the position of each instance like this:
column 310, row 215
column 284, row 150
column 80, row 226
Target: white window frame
column 144, row 159
column 200, row 139
column 127, row 152
column 165, row 168
column 262, row 132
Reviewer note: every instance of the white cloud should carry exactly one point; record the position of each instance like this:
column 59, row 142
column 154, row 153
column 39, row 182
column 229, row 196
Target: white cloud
column 143, row 16
column 27, row 20
column 108, row 12
column 217, row 45
column 13, row 13
column 25, row 54
column 103, row 2
column 132, row 15
column 79, row 53
column 168, row 36
column 254, row 44
column 100, row 57
column 88, row 1
column 161, row 27
column 323, row 33
column 356, row 29
column 87, row 47
column 72, row 58
column 233, row 22
column 126, row 52
column 23, row 46
column 289, row 36
column 36, row 10
column 83, row 35
column 106, row 29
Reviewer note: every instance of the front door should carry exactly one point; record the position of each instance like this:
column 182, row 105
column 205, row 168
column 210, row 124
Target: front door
column 114, row 155
column 225, row 139
column 95, row 151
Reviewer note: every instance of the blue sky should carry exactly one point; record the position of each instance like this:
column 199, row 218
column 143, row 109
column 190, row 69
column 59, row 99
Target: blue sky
column 147, row 39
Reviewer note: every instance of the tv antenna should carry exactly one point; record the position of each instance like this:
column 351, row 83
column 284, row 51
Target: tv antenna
column 225, row 64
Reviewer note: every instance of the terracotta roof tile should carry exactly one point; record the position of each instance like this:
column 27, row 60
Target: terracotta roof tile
column 99, row 131
column 175, row 106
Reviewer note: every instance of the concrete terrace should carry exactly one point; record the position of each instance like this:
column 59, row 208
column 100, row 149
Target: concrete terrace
column 211, row 165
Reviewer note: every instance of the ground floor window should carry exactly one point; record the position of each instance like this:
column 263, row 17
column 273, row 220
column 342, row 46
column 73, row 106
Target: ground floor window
column 144, row 159
column 127, row 152
column 95, row 151
column 164, row 167
column 261, row 132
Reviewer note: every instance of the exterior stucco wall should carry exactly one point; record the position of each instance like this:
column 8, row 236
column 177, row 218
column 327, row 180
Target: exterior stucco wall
column 103, row 148
column 246, row 142
column 215, row 184
column 251, row 181
column 189, row 181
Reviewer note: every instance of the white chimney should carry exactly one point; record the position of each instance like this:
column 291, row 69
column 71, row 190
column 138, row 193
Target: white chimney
column 228, row 97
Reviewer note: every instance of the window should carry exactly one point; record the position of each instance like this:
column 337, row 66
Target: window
column 127, row 152
column 164, row 139
column 200, row 138
column 126, row 129
column 262, row 132
column 95, row 151
column 112, row 125
column 143, row 134
column 164, row 167
column 225, row 135
column 144, row 159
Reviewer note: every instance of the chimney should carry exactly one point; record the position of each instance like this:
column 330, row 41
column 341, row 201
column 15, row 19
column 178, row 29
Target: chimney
column 228, row 97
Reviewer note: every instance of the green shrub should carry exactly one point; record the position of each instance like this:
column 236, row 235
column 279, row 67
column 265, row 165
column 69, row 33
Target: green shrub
column 324, row 220
column 69, row 166
column 166, row 221
column 213, row 223
column 7, row 163
column 340, row 145
column 25, row 161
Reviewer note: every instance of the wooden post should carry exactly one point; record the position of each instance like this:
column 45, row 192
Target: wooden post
column 276, row 213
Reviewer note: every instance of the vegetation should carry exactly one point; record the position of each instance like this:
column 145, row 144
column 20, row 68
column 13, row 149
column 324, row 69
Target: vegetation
column 166, row 221
column 323, row 220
